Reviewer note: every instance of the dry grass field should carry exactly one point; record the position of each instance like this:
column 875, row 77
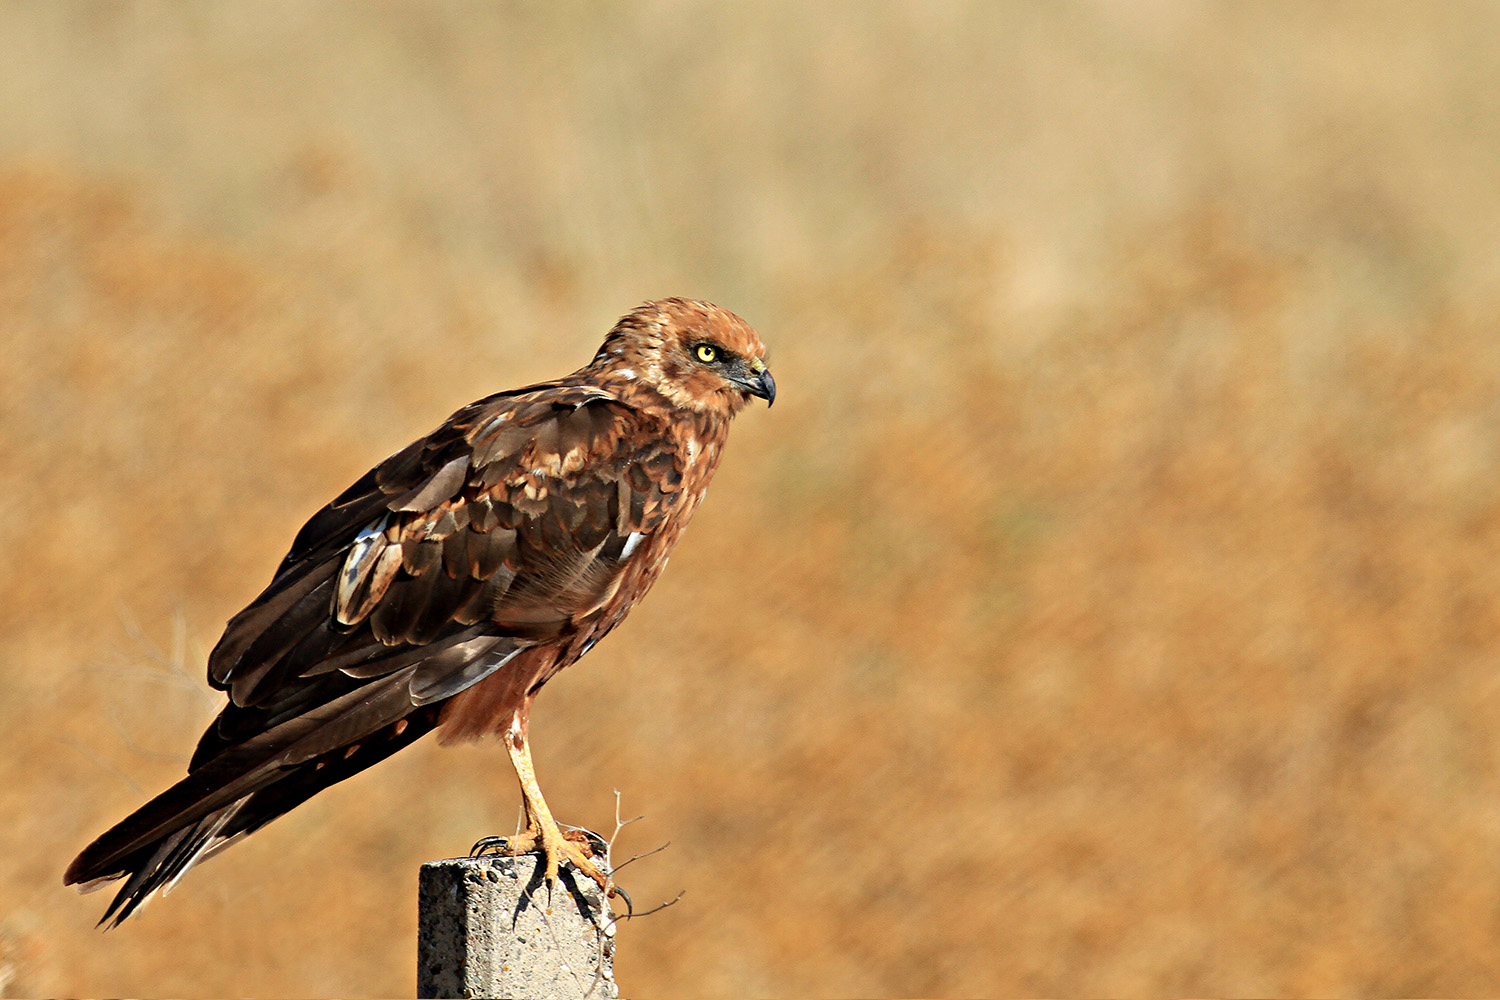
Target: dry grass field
column 1109, row 605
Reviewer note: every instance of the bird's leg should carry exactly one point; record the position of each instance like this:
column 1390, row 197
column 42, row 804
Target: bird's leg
column 542, row 834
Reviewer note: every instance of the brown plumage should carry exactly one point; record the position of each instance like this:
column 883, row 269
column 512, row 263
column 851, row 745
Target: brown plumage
column 447, row 585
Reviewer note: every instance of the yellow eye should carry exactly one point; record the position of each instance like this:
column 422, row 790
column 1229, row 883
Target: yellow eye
column 708, row 353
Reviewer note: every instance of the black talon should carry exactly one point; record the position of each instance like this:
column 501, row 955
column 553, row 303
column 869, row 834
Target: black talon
column 488, row 844
column 615, row 890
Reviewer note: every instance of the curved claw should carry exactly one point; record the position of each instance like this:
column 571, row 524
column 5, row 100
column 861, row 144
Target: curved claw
column 615, row 890
column 578, row 847
column 485, row 844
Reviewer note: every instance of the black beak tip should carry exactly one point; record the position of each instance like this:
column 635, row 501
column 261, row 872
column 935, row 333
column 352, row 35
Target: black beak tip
column 765, row 388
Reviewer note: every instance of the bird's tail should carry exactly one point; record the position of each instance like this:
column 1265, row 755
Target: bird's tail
column 155, row 865
column 221, row 801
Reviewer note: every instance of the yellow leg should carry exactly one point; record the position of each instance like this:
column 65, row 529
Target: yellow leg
column 542, row 834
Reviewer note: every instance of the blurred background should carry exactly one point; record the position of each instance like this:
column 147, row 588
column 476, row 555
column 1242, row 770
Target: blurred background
column 1108, row 606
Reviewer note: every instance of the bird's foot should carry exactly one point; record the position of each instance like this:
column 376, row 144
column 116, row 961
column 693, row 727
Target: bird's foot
column 577, row 846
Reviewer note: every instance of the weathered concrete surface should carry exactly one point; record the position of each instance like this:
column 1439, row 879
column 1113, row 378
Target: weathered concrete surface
column 488, row 927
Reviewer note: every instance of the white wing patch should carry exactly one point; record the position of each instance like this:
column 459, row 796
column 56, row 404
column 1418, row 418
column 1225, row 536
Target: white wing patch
column 632, row 542
column 369, row 566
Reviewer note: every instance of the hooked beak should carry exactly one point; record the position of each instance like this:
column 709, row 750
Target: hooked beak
column 765, row 388
column 760, row 383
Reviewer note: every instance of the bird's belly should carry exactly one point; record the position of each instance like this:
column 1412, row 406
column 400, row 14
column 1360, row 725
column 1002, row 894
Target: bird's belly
column 489, row 706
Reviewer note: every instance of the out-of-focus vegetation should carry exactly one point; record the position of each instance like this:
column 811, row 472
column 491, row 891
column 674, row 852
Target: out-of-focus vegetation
column 1108, row 606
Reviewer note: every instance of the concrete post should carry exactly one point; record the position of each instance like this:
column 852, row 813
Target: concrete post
column 487, row 928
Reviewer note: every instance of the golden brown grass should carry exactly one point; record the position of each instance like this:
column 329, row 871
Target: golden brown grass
column 1108, row 606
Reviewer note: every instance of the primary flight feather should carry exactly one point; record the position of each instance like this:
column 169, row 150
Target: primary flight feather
column 448, row 584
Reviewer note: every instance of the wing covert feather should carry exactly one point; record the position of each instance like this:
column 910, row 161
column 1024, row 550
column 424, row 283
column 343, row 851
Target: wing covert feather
column 511, row 522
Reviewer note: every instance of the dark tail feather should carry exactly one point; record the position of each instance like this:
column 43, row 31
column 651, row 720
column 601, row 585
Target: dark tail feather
column 204, row 813
column 171, row 860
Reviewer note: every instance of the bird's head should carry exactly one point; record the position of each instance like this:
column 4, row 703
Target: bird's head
column 699, row 356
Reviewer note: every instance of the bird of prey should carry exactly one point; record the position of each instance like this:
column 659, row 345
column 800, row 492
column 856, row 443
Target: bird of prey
column 447, row 585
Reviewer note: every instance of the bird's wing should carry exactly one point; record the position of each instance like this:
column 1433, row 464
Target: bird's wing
column 506, row 528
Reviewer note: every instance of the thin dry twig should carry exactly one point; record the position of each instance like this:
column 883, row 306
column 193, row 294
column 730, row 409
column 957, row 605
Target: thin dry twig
column 655, row 909
column 620, row 824
column 636, row 857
